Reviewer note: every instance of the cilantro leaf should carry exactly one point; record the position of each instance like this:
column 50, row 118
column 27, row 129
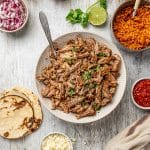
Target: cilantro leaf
column 103, row 3
column 74, row 49
column 71, row 92
column 87, row 75
column 84, row 19
column 93, row 85
column 70, row 61
column 96, row 106
column 101, row 55
column 90, row 85
column 95, row 69
column 74, row 16
column 77, row 16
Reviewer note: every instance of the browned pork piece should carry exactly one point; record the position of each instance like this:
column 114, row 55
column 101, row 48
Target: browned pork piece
column 83, row 78
column 88, row 112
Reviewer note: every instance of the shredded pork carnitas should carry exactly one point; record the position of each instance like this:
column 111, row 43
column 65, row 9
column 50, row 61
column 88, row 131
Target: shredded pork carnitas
column 82, row 79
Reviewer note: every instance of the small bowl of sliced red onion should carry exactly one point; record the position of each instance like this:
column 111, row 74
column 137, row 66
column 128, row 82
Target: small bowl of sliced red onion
column 13, row 15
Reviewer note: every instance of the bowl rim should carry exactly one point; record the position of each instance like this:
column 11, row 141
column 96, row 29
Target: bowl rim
column 60, row 133
column 133, row 100
column 25, row 20
column 114, row 38
column 123, row 67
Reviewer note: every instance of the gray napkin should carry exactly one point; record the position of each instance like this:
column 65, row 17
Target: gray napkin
column 134, row 137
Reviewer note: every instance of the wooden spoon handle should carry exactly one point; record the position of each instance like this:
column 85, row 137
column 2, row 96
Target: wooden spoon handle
column 137, row 3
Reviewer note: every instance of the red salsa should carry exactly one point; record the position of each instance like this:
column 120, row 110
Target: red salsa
column 141, row 92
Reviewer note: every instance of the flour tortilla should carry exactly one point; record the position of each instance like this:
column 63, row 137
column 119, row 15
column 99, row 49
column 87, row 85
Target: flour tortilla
column 16, row 117
column 34, row 101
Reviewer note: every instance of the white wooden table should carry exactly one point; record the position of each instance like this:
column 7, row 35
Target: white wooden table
column 18, row 57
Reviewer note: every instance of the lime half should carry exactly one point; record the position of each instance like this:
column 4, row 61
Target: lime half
column 97, row 15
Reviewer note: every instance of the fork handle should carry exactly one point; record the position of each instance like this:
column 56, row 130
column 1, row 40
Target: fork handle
column 45, row 26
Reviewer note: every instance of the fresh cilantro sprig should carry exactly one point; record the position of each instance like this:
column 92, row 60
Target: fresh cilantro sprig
column 87, row 75
column 90, row 85
column 103, row 3
column 101, row 55
column 70, row 61
column 71, row 92
column 74, row 49
column 84, row 19
column 77, row 16
column 96, row 106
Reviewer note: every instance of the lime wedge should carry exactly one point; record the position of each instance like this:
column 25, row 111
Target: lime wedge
column 97, row 14
column 96, row 3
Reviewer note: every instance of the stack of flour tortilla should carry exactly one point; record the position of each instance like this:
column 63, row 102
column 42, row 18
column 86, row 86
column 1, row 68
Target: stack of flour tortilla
column 20, row 113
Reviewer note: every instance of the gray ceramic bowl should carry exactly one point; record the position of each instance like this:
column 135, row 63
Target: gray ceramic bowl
column 114, row 38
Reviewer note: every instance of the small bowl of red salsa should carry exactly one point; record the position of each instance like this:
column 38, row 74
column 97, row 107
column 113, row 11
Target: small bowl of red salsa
column 13, row 15
column 141, row 93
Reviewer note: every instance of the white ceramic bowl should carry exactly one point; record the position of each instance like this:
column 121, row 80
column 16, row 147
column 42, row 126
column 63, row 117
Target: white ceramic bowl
column 137, row 105
column 44, row 61
column 68, row 139
column 25, row 21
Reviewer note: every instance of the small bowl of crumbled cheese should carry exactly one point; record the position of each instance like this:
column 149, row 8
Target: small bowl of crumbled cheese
column 56, row 141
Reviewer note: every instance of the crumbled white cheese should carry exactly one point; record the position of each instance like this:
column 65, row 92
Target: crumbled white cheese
column 56, row 142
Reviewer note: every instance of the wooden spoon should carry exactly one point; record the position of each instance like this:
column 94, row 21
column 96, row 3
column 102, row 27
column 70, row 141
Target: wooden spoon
column 136, row 6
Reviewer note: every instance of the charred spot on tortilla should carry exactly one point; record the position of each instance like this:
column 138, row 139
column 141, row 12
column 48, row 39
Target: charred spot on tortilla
column 3, row 108
column 6, row 134
column 5, row 101
column 38, row 123
column 27, row 122
column 19, row 105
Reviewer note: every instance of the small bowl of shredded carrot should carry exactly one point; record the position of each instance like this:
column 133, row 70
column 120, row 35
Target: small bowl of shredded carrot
column 132, row 33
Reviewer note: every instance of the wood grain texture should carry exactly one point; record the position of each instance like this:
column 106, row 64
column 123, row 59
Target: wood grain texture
column 18, row 57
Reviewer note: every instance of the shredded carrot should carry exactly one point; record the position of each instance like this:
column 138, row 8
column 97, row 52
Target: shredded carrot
column 133, row 33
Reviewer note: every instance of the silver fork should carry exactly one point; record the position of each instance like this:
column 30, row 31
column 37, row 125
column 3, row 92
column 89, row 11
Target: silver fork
column 46, row 29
